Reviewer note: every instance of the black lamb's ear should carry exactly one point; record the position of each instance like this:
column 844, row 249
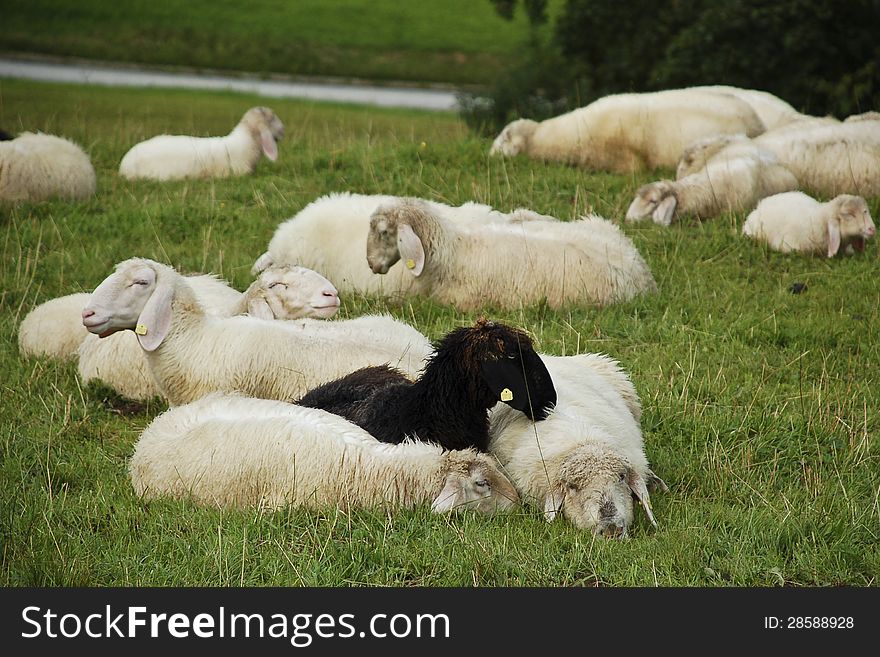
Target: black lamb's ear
column 523, row 384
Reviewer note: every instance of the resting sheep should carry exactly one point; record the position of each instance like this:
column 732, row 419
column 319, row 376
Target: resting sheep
column 232, row 451
column 191, row 354
column 630, row 132
column 471, row 369
column 731, row 181
column 38, row 167
column 826, row 156
column 171, row 157
column 286, row 292
column 508, row 265
column 796, row 222
column 329, row 234
column 54, row 328
column 587, row 459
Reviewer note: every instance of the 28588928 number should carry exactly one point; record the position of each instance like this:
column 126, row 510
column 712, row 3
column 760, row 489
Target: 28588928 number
column 818, row 622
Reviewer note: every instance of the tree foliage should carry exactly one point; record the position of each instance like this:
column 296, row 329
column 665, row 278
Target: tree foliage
column 822, row 56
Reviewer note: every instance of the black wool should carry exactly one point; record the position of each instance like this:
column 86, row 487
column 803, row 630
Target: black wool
column 472, row 368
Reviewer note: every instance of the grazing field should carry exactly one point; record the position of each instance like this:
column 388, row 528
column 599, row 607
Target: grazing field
column 760, row 406
column 454, row 41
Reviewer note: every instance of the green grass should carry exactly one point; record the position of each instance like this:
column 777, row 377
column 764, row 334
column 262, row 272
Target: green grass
column 760, row 405
column 451, row 41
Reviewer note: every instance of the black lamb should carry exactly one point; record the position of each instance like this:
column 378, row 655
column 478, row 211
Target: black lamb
column 472, row 368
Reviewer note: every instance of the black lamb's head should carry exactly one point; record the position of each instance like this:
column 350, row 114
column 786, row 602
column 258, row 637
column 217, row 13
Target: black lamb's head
column 496, row 362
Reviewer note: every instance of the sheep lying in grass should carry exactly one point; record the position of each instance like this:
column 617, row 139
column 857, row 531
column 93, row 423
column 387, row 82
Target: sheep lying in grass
column 630, row 132
column 38, row 167
column 831, row 159
column 470, row 370
column 826, row 156
column 329, row 234
column 191, row 354
column 286, row 292
column 508, row 265
column 171, row 157
column 797, row 222
column 587, row 459
column 732, row 180
column 55, row 329
column 232, row 451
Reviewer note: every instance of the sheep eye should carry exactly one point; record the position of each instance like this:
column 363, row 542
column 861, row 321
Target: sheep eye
column 482, row 483
column 276, row 284
column 141, row 282
column 622, row 476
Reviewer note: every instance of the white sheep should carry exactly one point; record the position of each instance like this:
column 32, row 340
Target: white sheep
column 587, row 458
column 54, row 328
column 232, row 451
column 281, row 292
column 827, row 156
column 38, row 167
column 630, row 132
column 329, row 235
column 797, row 222
column 191, row 354
column 732, row 180
column 171, row 157
column 830, row 158
column 508, row 265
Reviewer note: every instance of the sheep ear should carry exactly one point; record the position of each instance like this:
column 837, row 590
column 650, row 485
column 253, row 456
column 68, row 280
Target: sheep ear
column 665, row 209
column 655, row 483
column 553, row 502
column 262, row 263
column 155, row 319
column 267, row 142
column 640, row 490
column 411, row 250
column 447, row 498
column 258, row 307
column 522, row 383
column 833, row 237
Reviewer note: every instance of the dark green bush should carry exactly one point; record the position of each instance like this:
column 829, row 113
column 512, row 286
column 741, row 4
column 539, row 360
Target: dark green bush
column 822, row 56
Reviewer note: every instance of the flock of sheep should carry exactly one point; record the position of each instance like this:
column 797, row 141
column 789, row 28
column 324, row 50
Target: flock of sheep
column 273, row 405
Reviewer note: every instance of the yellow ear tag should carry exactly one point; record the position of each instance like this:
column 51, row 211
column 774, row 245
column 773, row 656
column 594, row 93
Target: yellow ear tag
column 410, row 263
column 506, row 395
column 140, row 329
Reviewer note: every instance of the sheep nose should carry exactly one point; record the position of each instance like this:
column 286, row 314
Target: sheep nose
column 613, row 531
column 87, row 313
column 871, row 230
column 331, row 294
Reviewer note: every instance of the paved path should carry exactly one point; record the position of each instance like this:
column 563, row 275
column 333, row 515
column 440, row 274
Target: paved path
column 383, row 96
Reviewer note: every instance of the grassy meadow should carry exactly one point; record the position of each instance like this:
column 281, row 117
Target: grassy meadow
column 452, row 41
column 760, row 406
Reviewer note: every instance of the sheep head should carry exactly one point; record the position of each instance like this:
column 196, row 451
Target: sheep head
column 266, row 128
column 695, row 157
column 495, row 363
column 594, row 490
column 850, row 224
column 291, row 292
column 473, row 481
column 136, row 296
column 514, row 138
column 656, row 200
column 391, row 237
